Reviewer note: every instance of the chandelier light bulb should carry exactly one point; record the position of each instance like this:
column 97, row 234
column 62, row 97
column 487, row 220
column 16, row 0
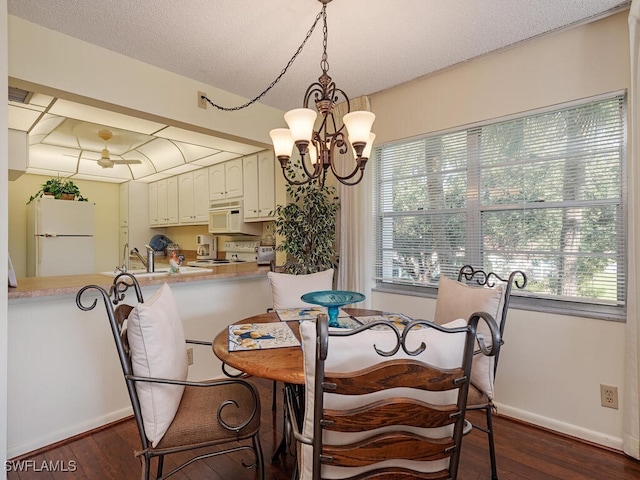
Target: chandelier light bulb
column 366, row 153
column 301, row 122
column 359, row 125
column 282, row 142
column 313, row 154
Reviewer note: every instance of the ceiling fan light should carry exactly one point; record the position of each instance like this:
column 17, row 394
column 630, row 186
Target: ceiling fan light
column 359, row 125
column 104, row 154
column 105, row 163
column 301, row 121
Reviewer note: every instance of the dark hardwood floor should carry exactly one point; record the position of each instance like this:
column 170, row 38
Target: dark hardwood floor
column 523, row 453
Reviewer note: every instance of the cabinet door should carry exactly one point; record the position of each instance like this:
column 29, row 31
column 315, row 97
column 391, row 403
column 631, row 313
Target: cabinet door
column 185, row 197
column 201, row 196
column 267, row 187
column 124, row 204
column 250, row 185
column 154, row 214
column 172, row 200
column 162, row 202
column 216, row 182
column 233, row 178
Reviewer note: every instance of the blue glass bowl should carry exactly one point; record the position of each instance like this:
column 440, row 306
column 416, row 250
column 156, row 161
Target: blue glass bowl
column 333, row 300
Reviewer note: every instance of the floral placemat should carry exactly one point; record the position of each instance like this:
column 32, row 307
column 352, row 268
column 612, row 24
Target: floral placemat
column 254, row 336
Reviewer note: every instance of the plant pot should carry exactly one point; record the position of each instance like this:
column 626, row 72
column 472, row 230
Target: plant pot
column 67, row 196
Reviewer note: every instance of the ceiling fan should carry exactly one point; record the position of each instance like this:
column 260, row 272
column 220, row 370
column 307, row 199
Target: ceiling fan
column 105, row 158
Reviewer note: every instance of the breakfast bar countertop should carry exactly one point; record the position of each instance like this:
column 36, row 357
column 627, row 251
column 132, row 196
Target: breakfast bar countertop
column 32, row 287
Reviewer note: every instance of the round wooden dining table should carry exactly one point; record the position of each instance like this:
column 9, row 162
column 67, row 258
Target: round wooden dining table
column 280, row 364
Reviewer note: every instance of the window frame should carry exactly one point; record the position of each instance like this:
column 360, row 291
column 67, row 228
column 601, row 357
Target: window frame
column 577, row 307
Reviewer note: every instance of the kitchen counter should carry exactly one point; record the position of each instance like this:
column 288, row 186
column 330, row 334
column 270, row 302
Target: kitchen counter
column 30, row 287
column 62, row 362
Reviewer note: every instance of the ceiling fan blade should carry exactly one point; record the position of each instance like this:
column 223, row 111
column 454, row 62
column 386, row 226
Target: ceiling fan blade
column 126, row 162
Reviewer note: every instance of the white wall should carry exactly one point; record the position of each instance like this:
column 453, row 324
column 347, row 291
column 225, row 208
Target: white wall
column 70, row 68
column 552, row 365
column 4, row 165
column 64, row 374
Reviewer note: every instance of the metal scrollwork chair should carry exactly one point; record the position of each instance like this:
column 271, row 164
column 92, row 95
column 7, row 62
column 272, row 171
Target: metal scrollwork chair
column 381, row 402
column 477, row 290
column 173, row 414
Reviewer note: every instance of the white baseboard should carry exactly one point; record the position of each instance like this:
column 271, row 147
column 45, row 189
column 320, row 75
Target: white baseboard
column 598, row 438
column 70, row 431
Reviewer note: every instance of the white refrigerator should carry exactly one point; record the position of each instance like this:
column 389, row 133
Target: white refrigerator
column 59, row 238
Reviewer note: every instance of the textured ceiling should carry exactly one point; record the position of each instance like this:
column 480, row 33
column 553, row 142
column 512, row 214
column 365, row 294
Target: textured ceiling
column 242, row 45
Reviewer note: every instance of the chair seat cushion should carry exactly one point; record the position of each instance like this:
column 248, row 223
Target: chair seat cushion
column 457, row 300
column 477, row 398
column 287, row 289
column 156, row 339
column 196, row 424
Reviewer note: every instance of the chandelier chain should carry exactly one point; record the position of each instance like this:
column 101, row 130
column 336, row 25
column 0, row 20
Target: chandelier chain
column 322, row 14
column 324, row 63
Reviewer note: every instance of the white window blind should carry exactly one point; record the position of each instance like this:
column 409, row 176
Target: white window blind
column 543, row 193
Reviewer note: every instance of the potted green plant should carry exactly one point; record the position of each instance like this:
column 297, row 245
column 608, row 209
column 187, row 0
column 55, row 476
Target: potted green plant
column 59, row 188
column 308, row 226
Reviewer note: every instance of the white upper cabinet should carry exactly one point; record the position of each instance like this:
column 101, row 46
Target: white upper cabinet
column 154, row 216
column 172, row 200
column 225, row 180
column 135, row 212
column 259, row 187
column 193, row 197
column 163, row 202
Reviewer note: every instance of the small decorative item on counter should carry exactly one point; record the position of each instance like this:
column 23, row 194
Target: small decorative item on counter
column 171, row 247
column 174, row 263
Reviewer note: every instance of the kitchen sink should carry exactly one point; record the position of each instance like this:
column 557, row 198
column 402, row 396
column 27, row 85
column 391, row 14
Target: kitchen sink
column 162, row 271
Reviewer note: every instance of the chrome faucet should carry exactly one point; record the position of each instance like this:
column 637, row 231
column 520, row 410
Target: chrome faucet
column 136, row 252
column 150, row 259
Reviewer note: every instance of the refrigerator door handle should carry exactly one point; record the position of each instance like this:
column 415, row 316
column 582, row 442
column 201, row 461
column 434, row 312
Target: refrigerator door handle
column 38, row 256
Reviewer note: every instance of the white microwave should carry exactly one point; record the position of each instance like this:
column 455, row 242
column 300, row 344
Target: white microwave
column 227, row 218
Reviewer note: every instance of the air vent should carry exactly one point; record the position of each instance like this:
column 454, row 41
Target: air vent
column 19, row 96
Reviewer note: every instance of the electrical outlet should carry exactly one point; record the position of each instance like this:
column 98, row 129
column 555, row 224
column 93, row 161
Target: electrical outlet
column 189, row 356
column 202, row 103
column 609, row 396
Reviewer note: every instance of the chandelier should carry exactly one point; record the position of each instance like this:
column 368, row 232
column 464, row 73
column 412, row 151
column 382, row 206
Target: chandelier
column 318, row 147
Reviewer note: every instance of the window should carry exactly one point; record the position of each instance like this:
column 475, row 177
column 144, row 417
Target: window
column 543, row 193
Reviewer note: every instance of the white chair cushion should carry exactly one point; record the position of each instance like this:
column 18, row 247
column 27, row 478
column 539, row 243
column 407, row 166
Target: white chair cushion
column 156, row 339
column 457, row 300
column 287, row 289
column 352, row 353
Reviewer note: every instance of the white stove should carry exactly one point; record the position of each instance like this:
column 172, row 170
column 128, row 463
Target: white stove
column 236, row 251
